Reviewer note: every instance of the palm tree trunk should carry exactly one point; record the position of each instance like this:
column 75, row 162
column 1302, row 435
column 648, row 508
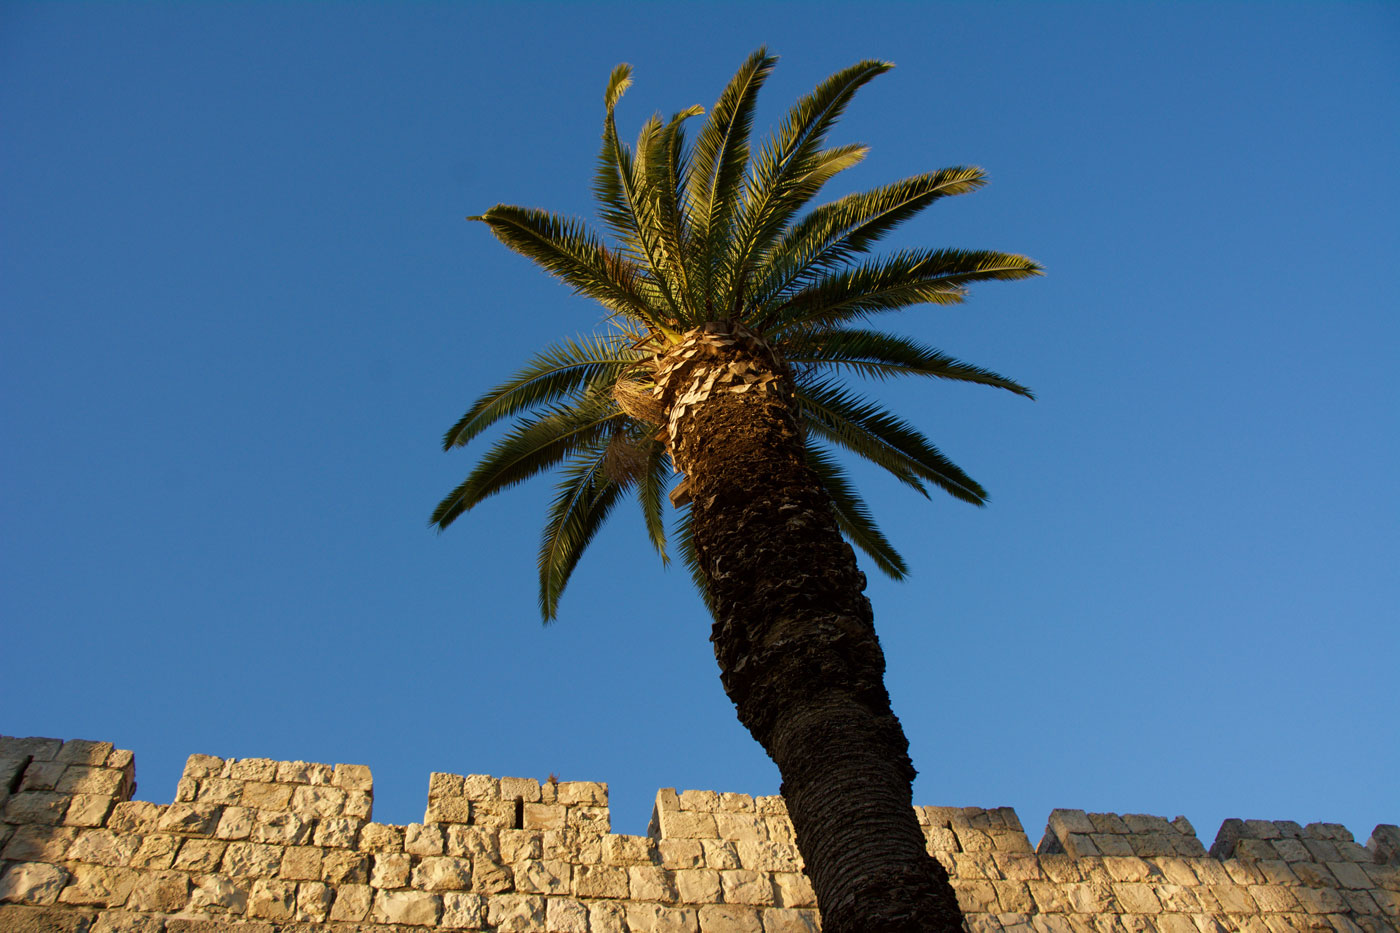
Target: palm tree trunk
column 795, row 638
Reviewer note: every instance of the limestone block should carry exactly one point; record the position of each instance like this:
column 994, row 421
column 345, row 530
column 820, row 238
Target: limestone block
column 98, row 886
column 340, row 867
column 39, row 807
column 1349, row 875
column 159, row 892
column 442, row 784
column 217, row 894
column 40, row 749
column 543, row 816
column 252, row 860
column 381, row 837
column 667, row 799
column 703, row 800
column 481, row 787
column 1013, row 897
column 1060, row 868
column 1143, row 824
column 1178, row 899
column 1127, row 869
column 649, row 883
column 1233, row 899
column 448, row 810
column 200, row 855
column 303, row 772
column 272, row 900
column 32, row 883
column 736, row 803
column 1064, row 822
column 1272, row 899
column 628, row 850
column 1017, row 867
column 720, row 855
column 490, row 877
column 1385, row 843
column 654, row 918
column 1136, row 898
column 422, row 840
column 515, row 913
column 1352, row 852
column 1277, row 871
column 543, row 876
column 86, row 779
column 741, row 827
column 1152, row 845
column 793, row 889
column 413, row 908
column 1363, row 903
column 443, row 873
column 236, row 823
column 156, row 851
column 497, row 814
column 1292, row 850
column 607, row 917
column 250, row 769
column 741, row 886
column 1050, row 897
column 526, row 789
column 187, row 791
column 565, row 915
column 697, row 886
column 359, row 805
column 599, row 881
column 768, row 856
column 940, row 839
column 780, row 830
column 87, row 810
column 681, row 853
column 1320, row 900
column 193, row 818
column 319, row 801
column 198, row 767
column 353, row 777
column 390, row 870
column 582, row 793
column 728, row 918
column 475, row 841
column 264, row 795
column 1108, row 823
column 1315, row 875
column 1384, row 876
column 352, row 902
column 978, row 897
column 1113, row 844
column 337, row 832
column 40, row 775
column 103, row 847
column 518, row 845
column 282, row 827
column 588, row 819
column 313, row 901
column 1255, row 849
column 465, row 912
column 300, row 863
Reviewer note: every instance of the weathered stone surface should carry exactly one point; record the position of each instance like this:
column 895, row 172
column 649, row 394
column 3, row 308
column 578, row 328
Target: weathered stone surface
column 515, row 913
column 219, row 894
column 32, row 883
column 725, row 918
column 443, row 873
column 413, row 908
column 160, row 892
column 352, row 902
column 98, row 886
column 465, row 912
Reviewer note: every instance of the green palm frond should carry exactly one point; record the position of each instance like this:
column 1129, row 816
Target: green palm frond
column 536, row 444
column 882, row 356
column 834, row 233
column 853, row 515
column 685, row 544
column 557, row 372
column 906, row 278
column 651, row 494
column 877, row 435
column 582, row 503
column 721, row 157
column 661, row 168
column 569, row 251
column 784, row 177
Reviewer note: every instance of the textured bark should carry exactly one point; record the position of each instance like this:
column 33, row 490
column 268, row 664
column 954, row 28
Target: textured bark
column 795, row 638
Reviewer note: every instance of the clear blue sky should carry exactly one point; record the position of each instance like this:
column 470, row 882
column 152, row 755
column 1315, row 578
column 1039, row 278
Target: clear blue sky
column 241, row 305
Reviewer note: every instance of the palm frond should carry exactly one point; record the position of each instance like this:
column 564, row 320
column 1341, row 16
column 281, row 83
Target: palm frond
column 536, row 444
column 906, row 278
column 651, row 493
column 685, row 544
column 853, row 515
column 585, row 497
column 833, row 233
column 661, row 168
column 882, row 356
column 566, row 249
column 865, row 428
column 556, row 372
column 720, row 158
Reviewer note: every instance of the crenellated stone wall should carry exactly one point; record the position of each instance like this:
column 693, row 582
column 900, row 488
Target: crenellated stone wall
column 261, row 846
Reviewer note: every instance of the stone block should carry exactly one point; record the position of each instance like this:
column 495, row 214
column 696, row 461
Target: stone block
column 443, row 873
column 518, row 845
column 543, row 816
column 160, row 892
column 337, row 832
column 682, row 824
column 526, row 789
column 727, row 918
column 628, row 850
column 655, row 918
column 40, row 775
column 217, row 894
column 607, row 917
column 1292, row 850
column 411, row 908
column 1064, row 822
column 199, row 767
column 381, row 837
column 103, row 847
column 793, row 889
column 706, row 801
column 1320, row 900
column 319, row 801
column 681, row 853
column 390, row 870
column 32, row 883
column 1017, row 867
column 353, row 777
column 697, row 886
column 599, row 881
column 200, row 855
column 156, row 851
column 442, row 784
column 190, row 818
column 301, row 863
column 98, row 886
column 313, row 901
column 422, row 840
column 1349, row 875
column 467, row 912
column 448, row 810
column 45, row 808
column 1271, row 898
column 283, row 828
column 497, row 814
column 1384, row 843
column 236, row 823
column 649, row 883
column 1277, row 871
column 515, row 913
column 341, row 867
column 265, row 795
column 741, row 886
column 543, row 876
column 87, row 810
column 1316, row 876
column 252, row 860
column 720, row 855
column 250, row 769
column 481, row 787
column 769, row 856
column 35, row 747
column 352, row 903
column 588, row 819
column 582, row 793
column 272, row 900
column 304, row 772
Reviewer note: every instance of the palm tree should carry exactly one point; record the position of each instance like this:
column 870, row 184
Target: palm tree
column 731, row 316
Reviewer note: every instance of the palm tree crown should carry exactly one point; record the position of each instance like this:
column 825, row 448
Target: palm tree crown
column 713, row 233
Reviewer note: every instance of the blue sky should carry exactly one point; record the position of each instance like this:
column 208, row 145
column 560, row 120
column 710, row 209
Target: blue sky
column 241, row 305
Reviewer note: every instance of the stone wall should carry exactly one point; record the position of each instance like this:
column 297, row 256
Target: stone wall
column 261, row 846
